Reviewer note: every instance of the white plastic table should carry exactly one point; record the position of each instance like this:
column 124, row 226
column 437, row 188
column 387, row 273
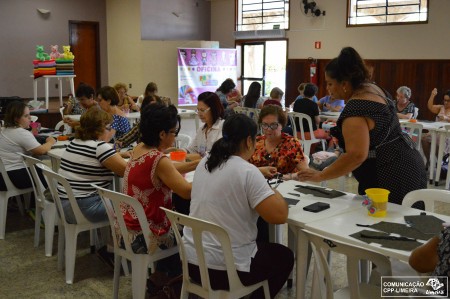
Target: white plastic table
column 46, row 79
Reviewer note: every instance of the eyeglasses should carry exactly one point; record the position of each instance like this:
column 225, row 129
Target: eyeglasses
column 278, row 179
column 202, row 111
column 272, row 126
column 178, row 127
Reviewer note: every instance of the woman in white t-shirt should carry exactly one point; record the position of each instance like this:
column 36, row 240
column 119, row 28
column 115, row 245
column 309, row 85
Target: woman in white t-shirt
column 229, row 191
column 14, row 139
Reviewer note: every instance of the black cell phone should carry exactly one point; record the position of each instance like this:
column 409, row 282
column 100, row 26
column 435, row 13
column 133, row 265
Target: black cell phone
column 317, row 207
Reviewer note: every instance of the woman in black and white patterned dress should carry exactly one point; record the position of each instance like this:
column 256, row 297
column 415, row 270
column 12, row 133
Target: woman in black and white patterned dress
column 368, row 130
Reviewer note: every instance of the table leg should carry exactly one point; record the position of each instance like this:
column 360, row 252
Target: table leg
column 442, row 137
column 72, row 87
column 46, row 92
column 432, row 155
column 60, row 92
column 301, row 260
column 35, row 89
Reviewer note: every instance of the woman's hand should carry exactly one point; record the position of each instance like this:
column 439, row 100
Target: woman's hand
column 268, row 171
column 309, row 174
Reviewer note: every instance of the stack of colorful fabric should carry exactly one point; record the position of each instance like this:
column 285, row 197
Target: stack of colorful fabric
column 42, row 68
column 64, row 66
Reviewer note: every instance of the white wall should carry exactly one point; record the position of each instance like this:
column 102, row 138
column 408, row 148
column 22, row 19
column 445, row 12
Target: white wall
column 136, row 61
column 426, row 41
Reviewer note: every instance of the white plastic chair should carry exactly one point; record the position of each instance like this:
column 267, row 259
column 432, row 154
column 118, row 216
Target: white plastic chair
column 12, row 191
column 306, row 143
column 414, row 130
column 355, row 289
column 416, row 113
column 139, row 262
column 44, row 208
column 444, row 135
column 428, row 196
column 68, row 232
column 183, row 140
column 198, row 226
column 253, row 113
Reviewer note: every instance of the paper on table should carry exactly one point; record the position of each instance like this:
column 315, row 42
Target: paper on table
column 427, row 224
column 318, row 192
column 394, row 244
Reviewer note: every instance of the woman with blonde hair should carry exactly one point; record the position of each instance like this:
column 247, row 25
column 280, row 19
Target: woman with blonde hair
column 126, row 103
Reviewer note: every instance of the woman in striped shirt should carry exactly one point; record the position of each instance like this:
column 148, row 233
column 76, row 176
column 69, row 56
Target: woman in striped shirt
column 89, row 159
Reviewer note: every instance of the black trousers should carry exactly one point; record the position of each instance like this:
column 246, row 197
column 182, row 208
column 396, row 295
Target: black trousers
column 21, row 179
column 272, row 261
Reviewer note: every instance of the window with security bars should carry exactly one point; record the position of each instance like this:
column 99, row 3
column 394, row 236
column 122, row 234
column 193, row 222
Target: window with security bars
column 262, row 14
column 380, row 12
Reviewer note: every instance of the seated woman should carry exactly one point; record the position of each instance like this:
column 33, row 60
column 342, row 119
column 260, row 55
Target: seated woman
column 210, row 112
column 276, row 95
column 15, row 138
column 126, row 103
column 330, row 104
column 443, row 115
column 90, row 159
column 229, row 191
column 405, row 108
column 84, row 100
column 433, row 256
column 152, row 90
column 108, row 99
column 225, row 89
column 133, row 135
column 150, row 176
column 307, row 106
column 253, row 98
column 275, row 148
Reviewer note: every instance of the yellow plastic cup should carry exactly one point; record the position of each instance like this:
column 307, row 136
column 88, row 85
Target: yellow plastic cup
column 379, row 198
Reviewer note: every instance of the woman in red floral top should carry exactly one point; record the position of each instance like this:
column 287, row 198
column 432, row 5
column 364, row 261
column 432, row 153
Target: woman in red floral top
column 275, row 148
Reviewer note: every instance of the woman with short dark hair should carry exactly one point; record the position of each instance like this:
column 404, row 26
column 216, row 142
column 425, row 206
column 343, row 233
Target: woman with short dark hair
column 150, row 177
column 108, row 99
column 229, row 191
column 16, row 138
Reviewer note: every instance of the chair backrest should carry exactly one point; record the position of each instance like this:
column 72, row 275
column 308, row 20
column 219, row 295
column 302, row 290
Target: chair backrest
column 115, row 201
column 414, row 130
column 321, row 246
column 53, row 180
column 9, row 185
column 183, row 140
column 428, row 196
column 253, row 113
column 30, row 163
column 297, row 124
column 416, row 113
column 199, row 227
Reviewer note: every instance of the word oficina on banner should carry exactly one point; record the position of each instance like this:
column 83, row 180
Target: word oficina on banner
column 201, row 70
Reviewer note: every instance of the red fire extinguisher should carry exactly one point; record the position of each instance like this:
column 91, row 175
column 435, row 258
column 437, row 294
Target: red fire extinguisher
column 313, row 70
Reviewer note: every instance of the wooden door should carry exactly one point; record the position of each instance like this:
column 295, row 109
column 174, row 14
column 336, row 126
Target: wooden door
column 85, row 45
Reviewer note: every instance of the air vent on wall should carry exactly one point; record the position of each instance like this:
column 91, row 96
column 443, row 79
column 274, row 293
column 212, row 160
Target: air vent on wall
column 260, row 34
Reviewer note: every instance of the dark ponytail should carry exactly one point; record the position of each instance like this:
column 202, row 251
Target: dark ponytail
column 348, row 66
column 236, row 129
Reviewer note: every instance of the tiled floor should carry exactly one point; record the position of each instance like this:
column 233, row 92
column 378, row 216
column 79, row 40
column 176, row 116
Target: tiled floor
column 25, row 272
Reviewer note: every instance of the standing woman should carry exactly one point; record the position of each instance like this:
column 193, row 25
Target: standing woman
column 368, row 130
column 253, row 98
column 405, row 108
column 210, row 112
column 14, row 139
column 108, row 99
column 229, row 191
